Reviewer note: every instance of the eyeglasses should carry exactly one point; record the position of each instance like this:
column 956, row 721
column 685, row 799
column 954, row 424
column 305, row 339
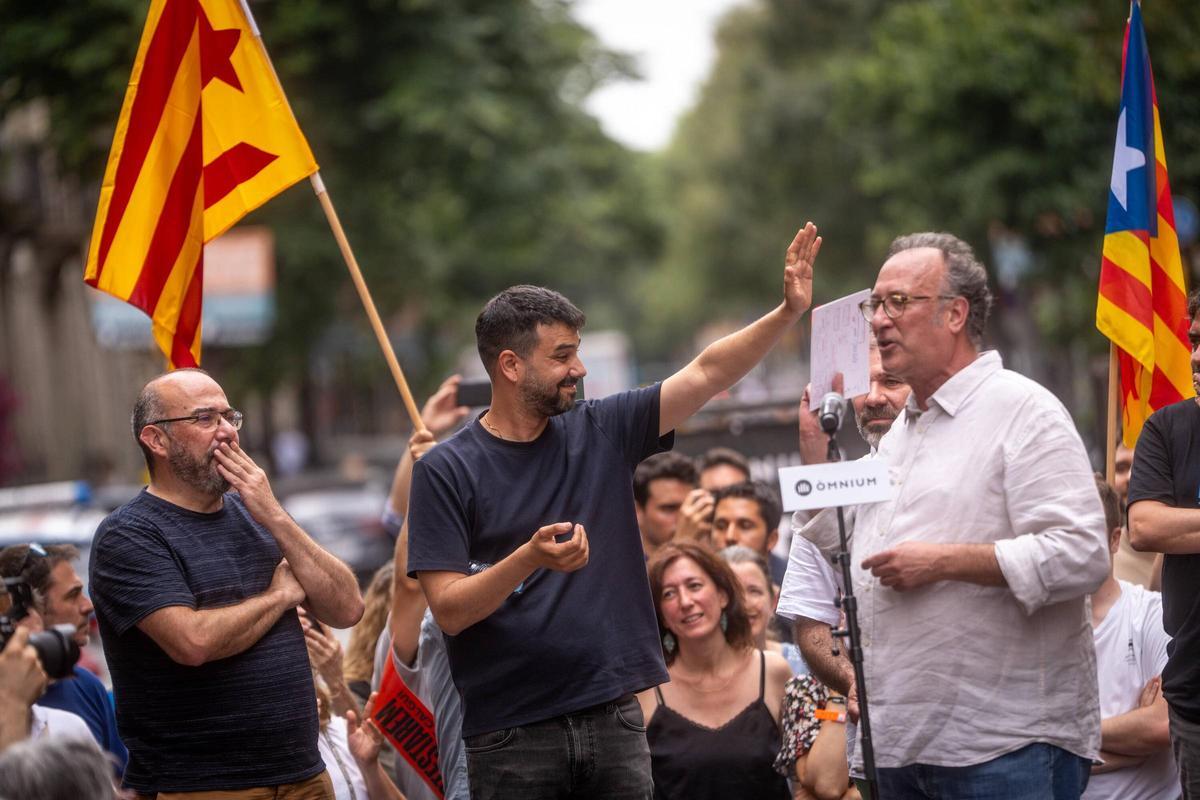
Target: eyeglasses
column 895, row 303
column 34, row 550
column 207, row 420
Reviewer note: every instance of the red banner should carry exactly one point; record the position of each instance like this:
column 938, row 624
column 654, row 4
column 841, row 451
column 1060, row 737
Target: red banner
column 409, row 726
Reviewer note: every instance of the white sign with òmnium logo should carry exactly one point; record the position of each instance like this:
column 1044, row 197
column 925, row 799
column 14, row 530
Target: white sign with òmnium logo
column 843, row 483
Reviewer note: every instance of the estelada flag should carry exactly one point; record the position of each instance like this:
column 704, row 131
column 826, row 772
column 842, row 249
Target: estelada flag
column 205, row 136
column 1142, row 305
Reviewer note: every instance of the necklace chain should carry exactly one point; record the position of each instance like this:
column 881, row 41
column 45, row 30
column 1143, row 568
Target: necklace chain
column 488, row 424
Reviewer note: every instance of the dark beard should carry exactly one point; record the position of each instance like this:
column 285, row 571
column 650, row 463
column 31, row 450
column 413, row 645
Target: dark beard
column 199, row 474
column 547, row 401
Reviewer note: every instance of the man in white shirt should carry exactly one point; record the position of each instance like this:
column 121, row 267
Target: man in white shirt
column 810, row 587
column 971, row 581
column 1131, row 651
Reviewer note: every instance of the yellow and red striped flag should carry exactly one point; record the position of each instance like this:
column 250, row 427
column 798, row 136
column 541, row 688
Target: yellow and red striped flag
column 1142, row 305
column 204, row 137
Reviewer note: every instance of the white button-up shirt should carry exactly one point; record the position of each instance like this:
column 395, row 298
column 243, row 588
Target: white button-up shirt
column 958, row 673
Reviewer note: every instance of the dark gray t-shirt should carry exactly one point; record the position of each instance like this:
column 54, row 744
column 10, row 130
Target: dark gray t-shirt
column 567, row 641
column 244, row 721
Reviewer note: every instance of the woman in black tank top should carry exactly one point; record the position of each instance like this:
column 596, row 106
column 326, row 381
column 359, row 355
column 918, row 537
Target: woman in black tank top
column 713, row 729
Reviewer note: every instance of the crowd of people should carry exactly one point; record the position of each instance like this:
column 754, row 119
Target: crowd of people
column 575, row 610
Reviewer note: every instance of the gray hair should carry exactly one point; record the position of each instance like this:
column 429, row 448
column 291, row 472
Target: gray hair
column 965, row 275
column 56, row 768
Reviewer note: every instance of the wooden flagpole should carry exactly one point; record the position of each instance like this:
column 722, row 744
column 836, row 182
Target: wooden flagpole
column 1114, row 401
column 364, row 294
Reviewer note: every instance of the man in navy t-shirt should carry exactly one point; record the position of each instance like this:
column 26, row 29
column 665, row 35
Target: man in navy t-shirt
column 524, row 536
column 1164, row 517
column 195, row 591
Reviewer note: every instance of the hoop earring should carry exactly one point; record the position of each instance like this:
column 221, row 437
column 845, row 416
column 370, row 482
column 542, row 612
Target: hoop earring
column 724, row 622
column 668, row 642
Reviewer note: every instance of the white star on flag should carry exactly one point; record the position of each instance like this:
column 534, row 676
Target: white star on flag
column 1125, row 159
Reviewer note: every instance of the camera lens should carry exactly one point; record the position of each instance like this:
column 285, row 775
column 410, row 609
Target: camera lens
column 57, row 650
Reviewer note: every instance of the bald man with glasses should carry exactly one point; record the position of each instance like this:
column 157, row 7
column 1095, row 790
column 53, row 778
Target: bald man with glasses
column 195, row 583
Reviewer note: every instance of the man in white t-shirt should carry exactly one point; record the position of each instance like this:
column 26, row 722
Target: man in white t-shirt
column 46, row 722
column 1131, row 651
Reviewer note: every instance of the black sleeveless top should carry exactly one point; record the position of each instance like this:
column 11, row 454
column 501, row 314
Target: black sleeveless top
column 693, row 762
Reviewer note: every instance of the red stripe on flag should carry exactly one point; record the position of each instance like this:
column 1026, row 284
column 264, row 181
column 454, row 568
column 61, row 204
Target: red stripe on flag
column 1162, row 391
column 231, row 169
column 173, row 225
column 1129, row 369
column 189, row 318
column 1163, row 202
column 163, row 56
column 1127, row 293
column 1170, row 303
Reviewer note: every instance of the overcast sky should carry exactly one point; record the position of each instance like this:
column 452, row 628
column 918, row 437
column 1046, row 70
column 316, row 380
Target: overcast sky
column 673, row 43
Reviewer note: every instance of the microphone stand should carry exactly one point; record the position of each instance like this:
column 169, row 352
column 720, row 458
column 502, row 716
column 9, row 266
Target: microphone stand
column 849, row 604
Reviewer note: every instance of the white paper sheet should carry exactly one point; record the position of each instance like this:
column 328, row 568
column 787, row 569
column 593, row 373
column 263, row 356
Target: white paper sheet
column 841, row 340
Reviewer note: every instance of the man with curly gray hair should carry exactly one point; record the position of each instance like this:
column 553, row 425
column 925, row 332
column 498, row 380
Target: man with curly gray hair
column 978, row 657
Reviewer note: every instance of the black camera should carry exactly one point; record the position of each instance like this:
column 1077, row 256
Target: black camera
column 56, row 647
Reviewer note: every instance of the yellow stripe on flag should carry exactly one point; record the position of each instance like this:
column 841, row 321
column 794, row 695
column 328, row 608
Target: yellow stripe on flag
column 123, row 266
column 166, row 313
column 1173, row 358
column 246, row 133
column 1126, row 332
column 259, row 115
column 1128, row 252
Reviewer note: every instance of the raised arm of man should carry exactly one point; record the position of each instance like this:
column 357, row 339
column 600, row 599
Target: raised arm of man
column 724, row 362
column 330, row 588
column 440, row 414
column 408, row 601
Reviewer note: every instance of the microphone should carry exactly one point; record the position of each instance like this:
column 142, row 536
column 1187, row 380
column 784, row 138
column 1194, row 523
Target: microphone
column 833, row 408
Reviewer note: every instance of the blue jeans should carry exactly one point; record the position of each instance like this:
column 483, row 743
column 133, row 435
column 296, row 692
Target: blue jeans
column 599, row 752
column 1035, row 772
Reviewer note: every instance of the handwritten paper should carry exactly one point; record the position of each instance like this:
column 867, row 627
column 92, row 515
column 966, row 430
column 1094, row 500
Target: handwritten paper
column 841, row 340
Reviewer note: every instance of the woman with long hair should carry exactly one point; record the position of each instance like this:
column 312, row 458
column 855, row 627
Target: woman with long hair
column 713, row 728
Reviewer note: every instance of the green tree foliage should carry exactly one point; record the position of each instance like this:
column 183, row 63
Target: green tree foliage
column 451, row 138
column 755, row 158
column 992, row 119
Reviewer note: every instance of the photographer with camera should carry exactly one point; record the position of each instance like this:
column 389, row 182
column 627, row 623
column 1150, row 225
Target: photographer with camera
column 52, row 653
column 58, row 596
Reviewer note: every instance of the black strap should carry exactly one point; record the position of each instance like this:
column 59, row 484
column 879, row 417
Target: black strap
column 762, row 674
column 658, row 694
